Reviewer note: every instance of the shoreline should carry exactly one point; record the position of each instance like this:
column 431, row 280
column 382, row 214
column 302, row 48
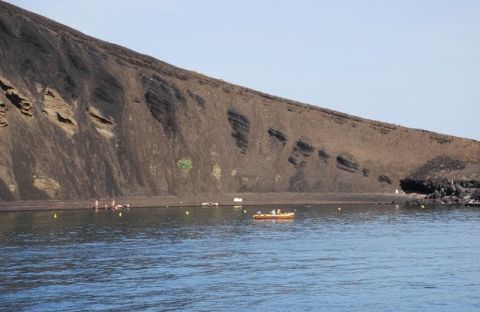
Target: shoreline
column 249, row 199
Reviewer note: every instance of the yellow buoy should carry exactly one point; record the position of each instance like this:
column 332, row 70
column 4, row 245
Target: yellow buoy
column 244, row 211
column 422, row 206
column 339, row 208
column 187, row 213
column 54, row 215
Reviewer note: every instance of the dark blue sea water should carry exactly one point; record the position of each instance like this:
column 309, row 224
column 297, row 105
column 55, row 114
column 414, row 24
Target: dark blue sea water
column 362, row 258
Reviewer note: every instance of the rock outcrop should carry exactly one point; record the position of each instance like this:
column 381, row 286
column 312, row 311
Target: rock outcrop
column 303, row 148
column 347, row 162
column 59, row 112
column 323, row 155
column 278, row 138
column 81, row 118
column 14, row 97
column 445, row 180
column 383, row 179
column 240, row 129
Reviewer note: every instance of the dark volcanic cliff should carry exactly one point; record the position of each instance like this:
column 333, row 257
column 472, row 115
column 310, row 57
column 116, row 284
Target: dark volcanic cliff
column 82, row 118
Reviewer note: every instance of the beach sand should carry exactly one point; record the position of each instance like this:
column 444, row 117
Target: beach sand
column 249, row 199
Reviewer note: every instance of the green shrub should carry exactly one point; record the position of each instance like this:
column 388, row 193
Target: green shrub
column 185, row 164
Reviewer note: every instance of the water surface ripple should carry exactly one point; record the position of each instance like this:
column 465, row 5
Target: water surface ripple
column 361, row 258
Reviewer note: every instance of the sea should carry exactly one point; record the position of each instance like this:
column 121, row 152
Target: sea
column 328, row 258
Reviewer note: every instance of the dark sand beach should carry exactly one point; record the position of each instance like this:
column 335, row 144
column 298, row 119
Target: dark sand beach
column 249, row 199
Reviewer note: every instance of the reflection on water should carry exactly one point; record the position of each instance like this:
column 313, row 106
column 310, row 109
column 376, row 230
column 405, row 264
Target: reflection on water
column 370, row 258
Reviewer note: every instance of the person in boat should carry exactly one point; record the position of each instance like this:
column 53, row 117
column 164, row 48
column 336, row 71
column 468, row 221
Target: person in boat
column 273, row 212
column 279, row 211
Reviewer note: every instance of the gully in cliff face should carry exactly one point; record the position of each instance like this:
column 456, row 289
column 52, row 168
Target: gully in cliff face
column 240, row 129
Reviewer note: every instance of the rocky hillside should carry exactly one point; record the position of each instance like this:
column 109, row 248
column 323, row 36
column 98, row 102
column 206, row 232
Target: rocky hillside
column 82, row 118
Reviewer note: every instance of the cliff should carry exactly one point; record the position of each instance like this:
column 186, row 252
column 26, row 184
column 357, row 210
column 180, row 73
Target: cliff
column 81, row 118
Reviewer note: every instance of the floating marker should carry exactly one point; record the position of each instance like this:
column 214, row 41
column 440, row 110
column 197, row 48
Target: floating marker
column 54, row 215
column 339, row 208
column 422, row 206
column 244, row 211
column 119, row 214
column 187, row 213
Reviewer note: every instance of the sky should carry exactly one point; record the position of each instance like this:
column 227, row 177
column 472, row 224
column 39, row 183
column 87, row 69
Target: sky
column 415, row 63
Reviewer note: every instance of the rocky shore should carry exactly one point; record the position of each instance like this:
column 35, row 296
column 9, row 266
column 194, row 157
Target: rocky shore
column 463, row 193
column 445, row 181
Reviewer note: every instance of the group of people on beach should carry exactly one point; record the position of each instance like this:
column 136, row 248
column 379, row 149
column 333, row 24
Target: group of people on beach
column 113, row 205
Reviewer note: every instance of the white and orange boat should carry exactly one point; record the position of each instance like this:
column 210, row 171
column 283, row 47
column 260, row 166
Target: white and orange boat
column 269, row 216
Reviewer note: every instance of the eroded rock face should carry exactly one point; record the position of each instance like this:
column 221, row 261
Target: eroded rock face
column 240, row 129
column 323, row 155
column 103, row 125
column 5, row 193
column 163, row 100
column 107, row 91
column 82, row 118
column 384, row 179
column 20, row 102
column 3, row 114
column 49, row 186
column 198, row 99
column 59, row 112
column 16, row 98
column 33, row 37
column 278, row 138
column 302, row 148
column 347, row 162
column 297, row 181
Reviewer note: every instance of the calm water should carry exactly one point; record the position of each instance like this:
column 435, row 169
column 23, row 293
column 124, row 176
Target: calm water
column 362, row 258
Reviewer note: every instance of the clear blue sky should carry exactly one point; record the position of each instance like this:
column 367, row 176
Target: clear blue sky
column 409, row 62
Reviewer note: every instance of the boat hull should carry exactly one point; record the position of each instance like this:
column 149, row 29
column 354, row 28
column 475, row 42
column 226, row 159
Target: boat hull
column 281, row 216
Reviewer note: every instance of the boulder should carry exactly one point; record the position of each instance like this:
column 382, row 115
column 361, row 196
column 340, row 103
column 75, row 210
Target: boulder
column 475, row 195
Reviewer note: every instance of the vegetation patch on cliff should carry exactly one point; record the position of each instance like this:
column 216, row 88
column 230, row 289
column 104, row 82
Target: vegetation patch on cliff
column 185, row 164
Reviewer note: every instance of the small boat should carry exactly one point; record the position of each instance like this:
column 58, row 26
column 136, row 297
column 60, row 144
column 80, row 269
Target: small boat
column 269, row 216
